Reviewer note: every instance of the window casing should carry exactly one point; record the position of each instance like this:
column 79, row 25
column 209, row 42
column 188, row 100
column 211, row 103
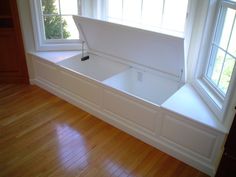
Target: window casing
column 54, row 28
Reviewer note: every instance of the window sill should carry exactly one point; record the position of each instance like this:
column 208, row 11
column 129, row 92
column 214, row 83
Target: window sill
column 188, row 103
column 56, row 56
column 58, row 46
column 211, row 99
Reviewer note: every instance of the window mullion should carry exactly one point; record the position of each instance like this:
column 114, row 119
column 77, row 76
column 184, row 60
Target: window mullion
column 211, row 63
column 79, row 7
column 217, row 46
column 221, row 70
column 230, row 55
column 122, row 10
column 62, row 37
column 228, row 4
column 141, row 14
column 163, row 11
column 222, row 67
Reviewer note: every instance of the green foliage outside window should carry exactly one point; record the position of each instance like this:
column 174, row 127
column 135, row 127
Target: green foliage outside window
column 55, row 26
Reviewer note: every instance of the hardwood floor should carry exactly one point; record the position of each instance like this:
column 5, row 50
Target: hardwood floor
column 44, row 136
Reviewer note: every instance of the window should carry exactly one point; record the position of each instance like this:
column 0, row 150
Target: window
column 54, row 27
column 223, row 51
column 57, row 18
column 156, row 15
column 215, row 69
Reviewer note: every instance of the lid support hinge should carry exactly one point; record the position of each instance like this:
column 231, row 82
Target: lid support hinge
column 180, row 77
column 83, row 58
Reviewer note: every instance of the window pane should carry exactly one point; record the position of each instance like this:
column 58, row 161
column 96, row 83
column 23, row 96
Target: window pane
column 115, row 9
column 152, row 12
column 132, row 10
column 175, row 15
column 69, row 29
column 226, row 28
column 69, row 7
column 226, row 73
column 232, row 44
column 52, row 27
column 50, row 6
column 216, row 65
column 152, row 15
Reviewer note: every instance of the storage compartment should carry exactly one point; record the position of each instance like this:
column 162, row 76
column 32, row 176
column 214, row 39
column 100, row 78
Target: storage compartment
column 95, row 67
column 145, row 85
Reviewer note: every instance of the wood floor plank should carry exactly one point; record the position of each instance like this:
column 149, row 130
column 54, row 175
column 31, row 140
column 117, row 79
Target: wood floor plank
column 44, row 136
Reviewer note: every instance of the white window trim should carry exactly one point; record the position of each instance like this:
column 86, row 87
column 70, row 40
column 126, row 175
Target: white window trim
column 45, row 45
column 216, row 102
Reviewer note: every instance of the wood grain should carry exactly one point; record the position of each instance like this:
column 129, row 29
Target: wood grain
column 13, row 68
column 44, row 136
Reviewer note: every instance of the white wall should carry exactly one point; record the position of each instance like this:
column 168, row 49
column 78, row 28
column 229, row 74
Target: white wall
column 195, row 31
column 26, row 25
column 27, row 31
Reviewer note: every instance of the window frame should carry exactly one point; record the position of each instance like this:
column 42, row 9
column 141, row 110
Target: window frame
column 215, row 44
column 216, row 101
column 42, row 44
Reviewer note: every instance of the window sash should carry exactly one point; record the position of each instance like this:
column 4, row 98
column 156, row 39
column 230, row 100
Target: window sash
column 215, row 47
column 61, row 27
column 41, row 44
column 61, row 15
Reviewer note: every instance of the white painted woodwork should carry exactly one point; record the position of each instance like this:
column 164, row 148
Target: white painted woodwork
column 46, row 71
column 188, row 103
column 151, row 49
column 195, row 142
column 187, row 136
column 129, row 109
column 83, row 88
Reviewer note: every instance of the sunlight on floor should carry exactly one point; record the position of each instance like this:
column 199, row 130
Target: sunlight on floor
column 72, row 148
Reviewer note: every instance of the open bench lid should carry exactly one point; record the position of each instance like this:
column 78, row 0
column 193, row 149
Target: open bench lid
column 151, row 49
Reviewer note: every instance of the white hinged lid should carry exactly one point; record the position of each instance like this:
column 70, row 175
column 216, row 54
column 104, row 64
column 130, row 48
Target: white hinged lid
column 154, row 50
